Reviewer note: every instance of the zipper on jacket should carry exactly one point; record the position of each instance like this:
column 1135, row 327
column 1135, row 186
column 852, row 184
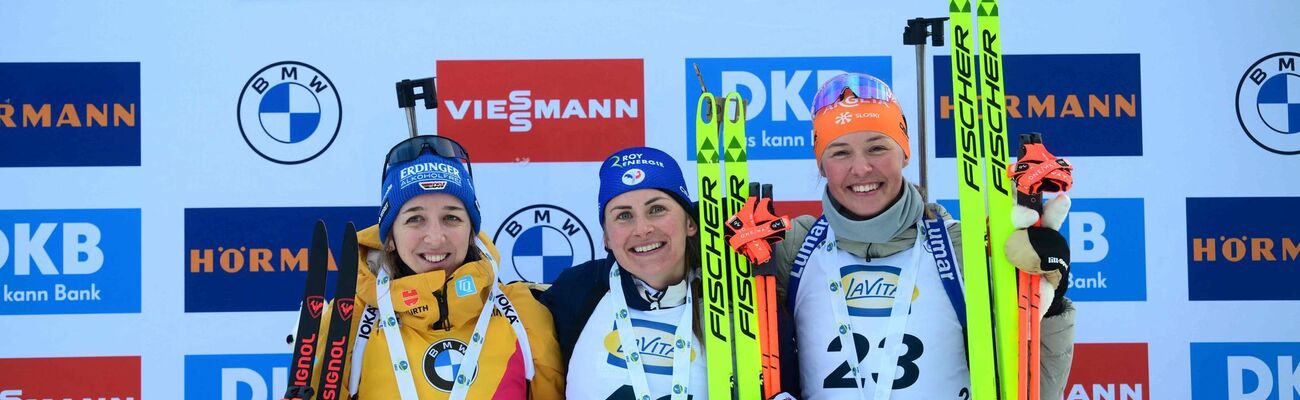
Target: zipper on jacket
column 442, row 323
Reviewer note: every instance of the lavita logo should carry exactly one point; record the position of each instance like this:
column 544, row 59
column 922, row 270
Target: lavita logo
column 236, row 377
column 1245, row 371
column 1107, row 248
column 779, row 92
column 69, row 261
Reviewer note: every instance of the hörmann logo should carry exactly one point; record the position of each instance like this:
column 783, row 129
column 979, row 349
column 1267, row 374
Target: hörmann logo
column 1245, row 371
column 541, row 110
column 70, row 261
column 69, row 114
column 1107, row 240
column 541, row 241
column 1233, row 254
column 1086, row 104
column 289, row 112
column 1268, row 103
column 104, row 378
column 254, row 251
column 779, row 91
column 1112, row 371
column 236, row 376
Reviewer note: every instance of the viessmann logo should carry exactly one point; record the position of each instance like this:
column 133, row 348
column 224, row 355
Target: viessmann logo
column 542, row 110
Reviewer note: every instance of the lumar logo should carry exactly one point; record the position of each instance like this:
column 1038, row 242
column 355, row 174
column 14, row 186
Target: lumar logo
column 1232, row 254
column 1085, row 104
column 254, row 251
column 541, row 110
column 89, row 112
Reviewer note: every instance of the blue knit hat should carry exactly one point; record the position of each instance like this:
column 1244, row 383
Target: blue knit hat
column 428, row 173
column 641, row 168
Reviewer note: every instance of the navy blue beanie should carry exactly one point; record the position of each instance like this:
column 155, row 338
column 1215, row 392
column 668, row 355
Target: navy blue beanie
column 641, row 168
column 428, row 173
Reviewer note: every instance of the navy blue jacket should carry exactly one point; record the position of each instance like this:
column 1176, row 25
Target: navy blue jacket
column 574, row 296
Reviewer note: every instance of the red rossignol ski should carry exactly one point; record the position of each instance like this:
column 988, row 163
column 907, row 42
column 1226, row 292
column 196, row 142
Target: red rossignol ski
column 338, row 341
column 313, row 304
column 336, row 344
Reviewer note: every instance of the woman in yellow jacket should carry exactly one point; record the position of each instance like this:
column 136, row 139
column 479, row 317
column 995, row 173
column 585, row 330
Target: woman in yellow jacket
column 424, row 274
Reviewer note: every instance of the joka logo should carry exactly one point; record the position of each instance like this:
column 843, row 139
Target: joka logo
column 1111, row 371
column 542, row 110
column 70, row 261
column 289, row 112
column 256, row 252
column 542, row 240
column 105, row 378
column 69, row 114
column 1084, row 104
column 1245, row 371
column 779, row 91
column 1268, row 103
column 442, row 363
column 236, row 376
column 1232, row 254
column 1107, row 248
column 655, row 344
column 869, row 289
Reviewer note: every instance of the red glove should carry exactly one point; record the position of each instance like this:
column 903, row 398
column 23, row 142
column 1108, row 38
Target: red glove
column 755, row 227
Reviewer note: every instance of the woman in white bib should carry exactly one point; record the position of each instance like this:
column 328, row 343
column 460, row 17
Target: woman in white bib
column 875, row 302
column 628, row 325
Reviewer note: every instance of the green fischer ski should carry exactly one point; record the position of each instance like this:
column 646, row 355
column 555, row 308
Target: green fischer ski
column 731, row 335
column 717, row 322
column 991, row 301
column 970, row 194
column 1006, row 309
column 744, row 319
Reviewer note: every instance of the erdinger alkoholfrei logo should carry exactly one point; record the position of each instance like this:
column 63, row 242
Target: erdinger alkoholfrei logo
column 289, row 112
column 656, row 342
column 442, row 361
column 869, row 289
column 543, row 240
column 1268, row 103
